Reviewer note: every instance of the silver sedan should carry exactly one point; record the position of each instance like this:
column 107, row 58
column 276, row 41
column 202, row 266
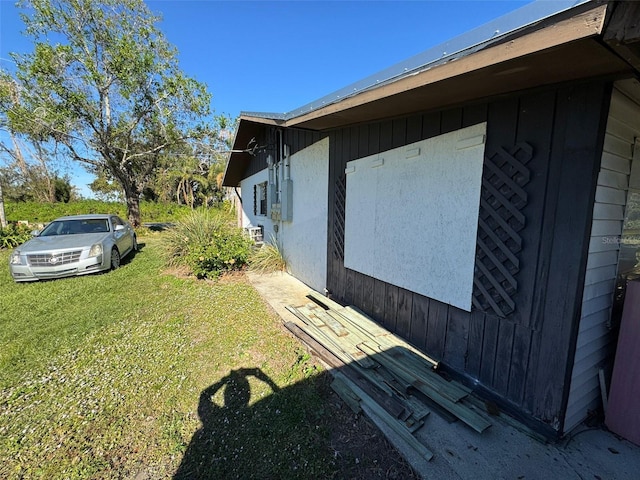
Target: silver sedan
column 73, row 245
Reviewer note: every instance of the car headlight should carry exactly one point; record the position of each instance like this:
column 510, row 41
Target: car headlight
column 15, row 258
column 96, row 250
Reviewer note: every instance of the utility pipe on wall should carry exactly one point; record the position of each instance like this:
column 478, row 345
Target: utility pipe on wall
column 287, row 163
column 270, row 167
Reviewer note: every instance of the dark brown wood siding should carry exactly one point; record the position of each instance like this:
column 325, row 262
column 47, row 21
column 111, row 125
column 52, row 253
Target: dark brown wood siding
column 298, row 139
column 266, row 143
column 522, row 358
column 269, row 144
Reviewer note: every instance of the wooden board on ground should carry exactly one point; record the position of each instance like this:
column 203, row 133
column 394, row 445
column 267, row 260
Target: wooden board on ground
column 391, row 365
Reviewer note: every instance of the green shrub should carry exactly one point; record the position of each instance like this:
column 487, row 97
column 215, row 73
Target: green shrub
column 207, row 242
column 268, row 258
column 227, row 250
column 194, row 229
column 13, row 235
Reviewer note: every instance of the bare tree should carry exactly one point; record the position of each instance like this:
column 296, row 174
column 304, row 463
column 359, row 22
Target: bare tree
column 110, row 91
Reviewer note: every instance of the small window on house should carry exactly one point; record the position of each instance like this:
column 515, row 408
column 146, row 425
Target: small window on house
column 261, row 198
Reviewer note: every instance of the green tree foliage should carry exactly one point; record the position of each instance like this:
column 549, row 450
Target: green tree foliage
column 63, row 190
column 104, row 83
column 30, row 166
column 36, row 186
column 191, row 174
column 105, row 188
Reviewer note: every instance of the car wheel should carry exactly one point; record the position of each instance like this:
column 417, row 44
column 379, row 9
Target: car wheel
column 115, row 258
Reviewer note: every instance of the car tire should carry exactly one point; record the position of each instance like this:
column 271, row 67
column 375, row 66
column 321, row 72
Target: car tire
column 115, row 258
column 134, row 248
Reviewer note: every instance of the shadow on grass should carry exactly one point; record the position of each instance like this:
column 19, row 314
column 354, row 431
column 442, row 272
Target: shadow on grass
column 131, row 255
column 281, row 436
column 298, row 432
column 234, row 435
column 158, row 226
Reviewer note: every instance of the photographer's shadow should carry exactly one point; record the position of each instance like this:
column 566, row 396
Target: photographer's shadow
column 217, row 443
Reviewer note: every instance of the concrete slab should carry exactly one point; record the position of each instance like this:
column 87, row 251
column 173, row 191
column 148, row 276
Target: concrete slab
column 502, row 451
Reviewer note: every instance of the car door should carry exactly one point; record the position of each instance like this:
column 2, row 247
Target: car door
column 122, row 236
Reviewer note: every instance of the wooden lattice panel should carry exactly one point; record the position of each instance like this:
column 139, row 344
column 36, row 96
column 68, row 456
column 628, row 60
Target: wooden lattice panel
column 502, row 199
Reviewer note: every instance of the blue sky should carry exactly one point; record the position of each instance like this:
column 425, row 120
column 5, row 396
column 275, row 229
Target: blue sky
column 276, row 56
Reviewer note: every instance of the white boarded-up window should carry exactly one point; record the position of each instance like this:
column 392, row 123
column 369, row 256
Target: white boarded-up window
column 412, row 215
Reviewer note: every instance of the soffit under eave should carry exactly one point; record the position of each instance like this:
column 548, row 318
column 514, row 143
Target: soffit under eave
column 574, row 62
column 622, row 33
column 240, row 158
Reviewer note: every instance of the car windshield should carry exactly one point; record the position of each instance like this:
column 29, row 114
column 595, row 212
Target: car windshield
column 74, row 227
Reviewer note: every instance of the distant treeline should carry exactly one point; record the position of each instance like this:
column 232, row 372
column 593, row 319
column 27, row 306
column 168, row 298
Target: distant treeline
column 39, row 212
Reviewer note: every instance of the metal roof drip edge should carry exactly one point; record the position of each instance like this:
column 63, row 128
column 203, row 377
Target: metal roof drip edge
column 458, row 47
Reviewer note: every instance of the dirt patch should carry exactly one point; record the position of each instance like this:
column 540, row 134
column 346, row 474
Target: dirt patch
column 361, row 450
column 178, row 271
column 234, row 276
column 183, row 272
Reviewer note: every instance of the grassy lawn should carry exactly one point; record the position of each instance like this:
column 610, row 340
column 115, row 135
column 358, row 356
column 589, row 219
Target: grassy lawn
column 140, row 374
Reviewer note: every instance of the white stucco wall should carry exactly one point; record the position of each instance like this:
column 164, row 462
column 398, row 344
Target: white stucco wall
column 412, row 215
column 304, row 239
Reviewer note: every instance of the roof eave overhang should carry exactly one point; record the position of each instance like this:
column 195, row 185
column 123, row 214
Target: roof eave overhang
column 566, row 48
column 522, row 61
column 248, row 131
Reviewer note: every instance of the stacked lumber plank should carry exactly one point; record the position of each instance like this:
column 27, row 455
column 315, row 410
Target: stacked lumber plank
column 380, row 372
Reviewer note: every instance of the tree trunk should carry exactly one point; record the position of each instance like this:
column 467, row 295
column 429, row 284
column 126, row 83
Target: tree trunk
column 133, row 208
column 3, row 218
column 131, row 195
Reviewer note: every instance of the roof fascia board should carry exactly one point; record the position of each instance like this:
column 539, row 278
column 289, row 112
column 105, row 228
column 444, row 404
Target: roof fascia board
column 244, row 122
column 262, row 120
column 583, row 25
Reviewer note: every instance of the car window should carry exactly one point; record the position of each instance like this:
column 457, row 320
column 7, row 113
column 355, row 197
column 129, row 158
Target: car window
column 116, row 221
column 75, row 227
column 54, row 228
column 95, row 225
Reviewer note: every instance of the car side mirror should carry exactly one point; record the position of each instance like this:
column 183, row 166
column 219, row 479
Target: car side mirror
column 35, row 233
column 118, row 228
